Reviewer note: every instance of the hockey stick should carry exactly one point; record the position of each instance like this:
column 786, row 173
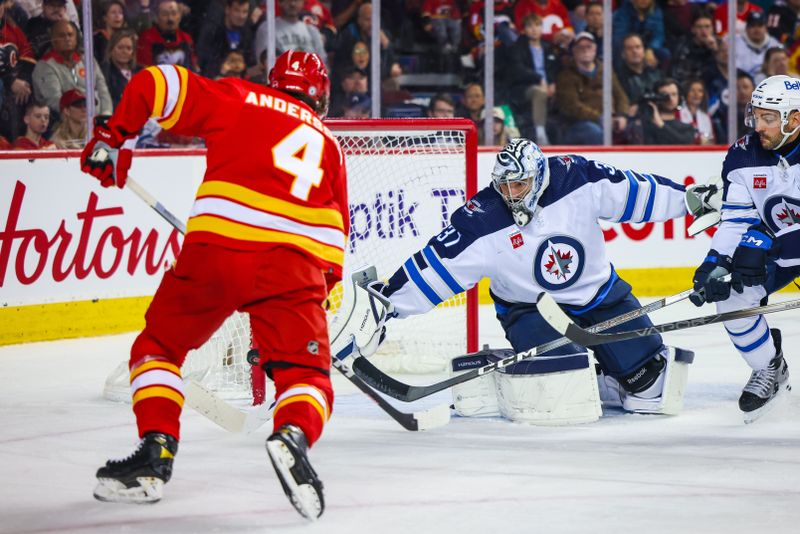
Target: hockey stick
column 234, row 419
column 559, row 320
column 408, row 393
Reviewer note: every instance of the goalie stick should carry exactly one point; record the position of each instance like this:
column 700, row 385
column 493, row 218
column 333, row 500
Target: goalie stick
column 559, row 320
column 384, row 383
column 234, row 419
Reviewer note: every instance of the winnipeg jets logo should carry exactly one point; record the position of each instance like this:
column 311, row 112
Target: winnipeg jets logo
column 566, row 161
column 558, row 262
column 741, row 143
column 781, row 212
column 473, row 206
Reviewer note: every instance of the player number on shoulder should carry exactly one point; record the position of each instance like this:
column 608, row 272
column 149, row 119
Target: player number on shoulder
column 300, row 154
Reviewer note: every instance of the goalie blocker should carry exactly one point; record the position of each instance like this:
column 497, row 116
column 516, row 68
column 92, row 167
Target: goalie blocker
column 561, row 391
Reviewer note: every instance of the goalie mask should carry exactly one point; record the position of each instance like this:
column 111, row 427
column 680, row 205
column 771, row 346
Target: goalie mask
column 777, row 93
column 521, row 175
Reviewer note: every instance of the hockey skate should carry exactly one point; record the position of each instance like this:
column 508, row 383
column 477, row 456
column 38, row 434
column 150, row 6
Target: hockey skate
column 287, row 449
column 140, row 477
column 765, row 387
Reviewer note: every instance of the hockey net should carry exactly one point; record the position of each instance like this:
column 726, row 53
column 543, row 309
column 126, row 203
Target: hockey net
column 405, row 178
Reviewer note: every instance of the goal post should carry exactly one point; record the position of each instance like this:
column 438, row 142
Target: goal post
column 404, row 179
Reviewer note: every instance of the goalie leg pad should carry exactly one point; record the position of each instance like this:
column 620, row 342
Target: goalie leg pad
column 665, row 396
column 549, row 392
column 478, row 397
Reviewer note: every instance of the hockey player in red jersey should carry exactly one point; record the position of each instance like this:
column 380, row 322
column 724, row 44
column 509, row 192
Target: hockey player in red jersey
column 265, row 235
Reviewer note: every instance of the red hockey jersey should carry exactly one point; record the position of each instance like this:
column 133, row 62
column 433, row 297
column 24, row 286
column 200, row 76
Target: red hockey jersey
column 275, row 174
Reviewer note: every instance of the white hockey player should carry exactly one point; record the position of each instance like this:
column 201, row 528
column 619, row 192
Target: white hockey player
column 536, row 229
column 757, row 237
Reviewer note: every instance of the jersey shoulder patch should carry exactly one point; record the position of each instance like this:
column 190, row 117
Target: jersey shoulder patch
column 483, row 214
column 746, row 152
column 567, row 173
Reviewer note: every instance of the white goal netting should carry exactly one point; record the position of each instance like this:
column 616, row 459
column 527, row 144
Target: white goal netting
column 403, row 184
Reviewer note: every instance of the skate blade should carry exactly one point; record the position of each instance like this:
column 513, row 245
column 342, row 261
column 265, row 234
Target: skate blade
column 304, row 497
column 149, row 491
column 779, row 399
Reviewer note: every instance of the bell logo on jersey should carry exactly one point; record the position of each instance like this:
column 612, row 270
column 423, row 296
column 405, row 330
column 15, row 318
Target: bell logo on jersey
column 760, row 181
column 558, row 263
column 516, row 240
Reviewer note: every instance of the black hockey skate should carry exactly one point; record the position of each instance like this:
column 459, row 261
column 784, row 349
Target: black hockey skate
column 766, row 385
column 140, row 477
column 287, row 449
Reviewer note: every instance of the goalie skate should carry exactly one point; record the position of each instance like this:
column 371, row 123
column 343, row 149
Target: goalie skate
column 140, row 477
column 287, row 451
column 767, row 387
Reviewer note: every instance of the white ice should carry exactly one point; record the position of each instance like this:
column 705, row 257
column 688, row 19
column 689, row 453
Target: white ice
column 702, row 471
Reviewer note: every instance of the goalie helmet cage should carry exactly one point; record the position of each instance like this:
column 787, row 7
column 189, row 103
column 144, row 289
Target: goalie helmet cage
column 404, row 179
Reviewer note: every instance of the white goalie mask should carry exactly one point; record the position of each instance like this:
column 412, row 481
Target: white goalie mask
column 521, row 175
column 778, row 93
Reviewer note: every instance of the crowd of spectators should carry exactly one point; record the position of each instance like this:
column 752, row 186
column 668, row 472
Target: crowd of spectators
column 669, row 81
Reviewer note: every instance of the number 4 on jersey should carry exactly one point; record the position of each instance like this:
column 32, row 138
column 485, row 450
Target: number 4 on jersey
column 300, row 154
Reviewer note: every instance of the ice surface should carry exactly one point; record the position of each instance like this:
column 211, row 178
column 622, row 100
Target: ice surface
column 703, row 471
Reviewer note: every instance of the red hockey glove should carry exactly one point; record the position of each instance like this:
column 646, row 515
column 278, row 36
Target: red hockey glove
column 103, row 158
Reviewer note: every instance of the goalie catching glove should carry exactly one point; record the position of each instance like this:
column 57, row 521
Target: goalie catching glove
column 107, row 156
column 359, row 327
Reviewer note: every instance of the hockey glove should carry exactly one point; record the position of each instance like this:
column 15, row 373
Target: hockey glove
column 103, row 158
column 704, row 202
column 707, row 284
column 751, row 256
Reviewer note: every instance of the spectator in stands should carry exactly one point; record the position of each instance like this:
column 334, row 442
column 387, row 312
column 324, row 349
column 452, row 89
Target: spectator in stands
column 217, row 38
column 442, row 19
column 532, row 67
column 580, row 95
column 678, row 16
column 63, row 68
column 645, row 18
column 361, row 31
column 165, row 43
column 112, row 19
column 660, row 122
column 782, row 21
column 744, row 87
column 120, row 66
column 594, row 23
column 752, row 45
column 635, row 76
column 555, row 17
column 442, row 106
column 291, row 33
column 696, row 51
column 776, row 61
column 318, row 15
column 233, row 65
column 16, row 65
column 694, row 111
column 743, row 10
column 39, row 27
column 36, row 119
column 472, row 102
column 351, row 80
column 504, row 29
column 359, row 106
column 501, row 136
column 70, row 131
column 4, row 144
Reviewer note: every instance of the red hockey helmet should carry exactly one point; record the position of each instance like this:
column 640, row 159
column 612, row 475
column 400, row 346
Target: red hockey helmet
column 304, row 73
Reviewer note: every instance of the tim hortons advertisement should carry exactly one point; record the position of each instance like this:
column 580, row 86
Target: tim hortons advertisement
column 65, row 238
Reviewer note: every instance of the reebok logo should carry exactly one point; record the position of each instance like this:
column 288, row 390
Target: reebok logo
column 637, row 376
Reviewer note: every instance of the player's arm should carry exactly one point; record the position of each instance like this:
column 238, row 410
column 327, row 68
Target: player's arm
column 623, row 195
column 173, row 97
column 452, row 262
column 738, row 213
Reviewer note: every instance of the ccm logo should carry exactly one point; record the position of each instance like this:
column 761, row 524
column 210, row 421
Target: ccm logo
column 760, row 182
column 753, row 241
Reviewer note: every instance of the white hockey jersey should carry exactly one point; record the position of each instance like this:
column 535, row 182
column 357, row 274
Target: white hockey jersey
column 760, row 185
column 561, row 251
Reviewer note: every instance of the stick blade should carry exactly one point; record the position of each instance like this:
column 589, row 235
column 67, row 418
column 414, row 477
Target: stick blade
column 223, row 413
column 435, row 417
